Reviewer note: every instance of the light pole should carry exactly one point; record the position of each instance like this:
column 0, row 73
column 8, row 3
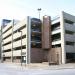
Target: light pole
column 39, row 10
column 21, row 45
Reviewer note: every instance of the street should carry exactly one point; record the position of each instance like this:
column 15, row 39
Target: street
column 6, row 69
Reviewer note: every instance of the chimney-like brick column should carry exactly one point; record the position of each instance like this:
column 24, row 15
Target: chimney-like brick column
column 46, row 32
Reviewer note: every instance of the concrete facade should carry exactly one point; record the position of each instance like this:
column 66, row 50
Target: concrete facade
column 63, row 29
column 26, row 35
column 33, row 40
column 11, row 44
column 3, row 23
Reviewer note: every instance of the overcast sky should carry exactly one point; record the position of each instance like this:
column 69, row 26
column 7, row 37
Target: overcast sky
column 18, row 9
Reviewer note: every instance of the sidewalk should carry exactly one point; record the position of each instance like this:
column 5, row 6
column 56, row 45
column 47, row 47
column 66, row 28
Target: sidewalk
column 42, row 66
column 52, row 67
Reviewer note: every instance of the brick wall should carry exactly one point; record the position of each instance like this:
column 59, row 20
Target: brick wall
column 36, row 55
column 46, row 32
column 54, row 55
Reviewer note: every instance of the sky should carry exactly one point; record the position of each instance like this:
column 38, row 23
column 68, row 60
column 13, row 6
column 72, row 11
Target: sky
column 19, row 9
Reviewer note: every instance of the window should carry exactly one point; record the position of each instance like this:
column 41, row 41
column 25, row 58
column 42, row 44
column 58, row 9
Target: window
column 35, row 25
column 8, row 50
column 24, row 36
column 19, row 48
column 7, row 43
column 7, row 36
column 68, row 21
column 56, row 46
column 20, row 29
column 69, row 32
column 36, row 38
column 56, row 37
column 69, row 43
column 55, row 26
column 70, row 56
column 7, row 29
column 36, row 45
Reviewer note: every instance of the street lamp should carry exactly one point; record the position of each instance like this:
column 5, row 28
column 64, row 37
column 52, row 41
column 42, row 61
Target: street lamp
column 39, row 9
column 21, row 45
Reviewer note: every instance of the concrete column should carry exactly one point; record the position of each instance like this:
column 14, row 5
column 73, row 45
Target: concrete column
column 28, row 53
column 12, row 42
column 62, row 38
